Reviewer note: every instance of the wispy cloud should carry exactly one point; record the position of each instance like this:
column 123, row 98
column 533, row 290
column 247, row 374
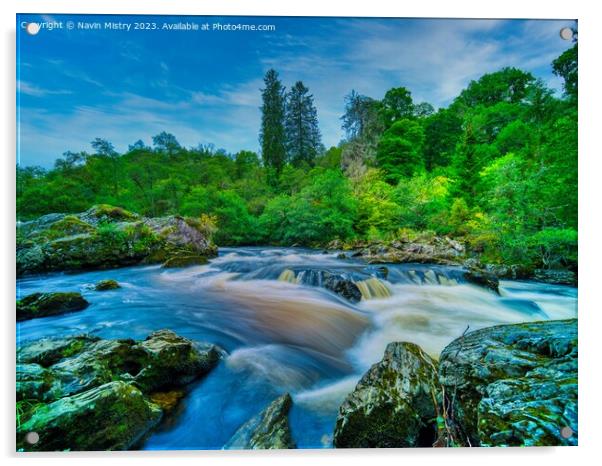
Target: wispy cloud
column 36, row 91
column 210, row 92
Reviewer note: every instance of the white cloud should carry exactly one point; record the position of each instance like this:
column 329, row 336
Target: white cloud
column 36, row 91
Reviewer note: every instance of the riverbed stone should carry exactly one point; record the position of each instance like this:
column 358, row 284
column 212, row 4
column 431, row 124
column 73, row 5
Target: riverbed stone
column 394, row 404
column 268, row 430
column 514, row 385
column 49, row 304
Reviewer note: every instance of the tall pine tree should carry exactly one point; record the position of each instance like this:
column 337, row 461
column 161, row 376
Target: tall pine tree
column 272, row 135
column 303, row 139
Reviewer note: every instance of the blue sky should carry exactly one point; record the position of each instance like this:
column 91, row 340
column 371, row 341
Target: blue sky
column 204, row 86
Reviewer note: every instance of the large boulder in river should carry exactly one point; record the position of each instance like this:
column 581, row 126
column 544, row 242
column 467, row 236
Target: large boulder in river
column 514, row 385
column 105, row 236
column 49, row 304
column 71, row 376
column 394, row 404
column 268, row 430
column 113, row 416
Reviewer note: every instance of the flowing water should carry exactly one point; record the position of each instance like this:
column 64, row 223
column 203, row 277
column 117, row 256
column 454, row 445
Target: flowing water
column 283, row 331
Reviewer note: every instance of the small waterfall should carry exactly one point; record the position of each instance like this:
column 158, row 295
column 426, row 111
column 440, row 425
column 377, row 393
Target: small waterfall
column 287, row 275
column 373, row 288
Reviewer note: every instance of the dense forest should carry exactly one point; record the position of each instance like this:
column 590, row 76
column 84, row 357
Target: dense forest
column 497, row 168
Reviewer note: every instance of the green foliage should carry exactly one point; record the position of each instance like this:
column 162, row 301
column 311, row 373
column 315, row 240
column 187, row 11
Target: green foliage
column 303, row 139
column 566, row 66
column 272, row 135
column 323, row 210
column 399, row 152
column 378, row 211
column 396, row 105
column 498, row 167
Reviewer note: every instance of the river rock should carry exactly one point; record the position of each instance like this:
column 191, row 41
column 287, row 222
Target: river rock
column 113, row 416
column 344, row 287
column 556, row 276
column 49, row 304
column 483, row 279
column 394, row 404
column 105, row 285
column 268, row 430
column 184, row 261
column 422, row 248
column 513, row 385
column 104, row 237
column 54, row 374
column 338, row 283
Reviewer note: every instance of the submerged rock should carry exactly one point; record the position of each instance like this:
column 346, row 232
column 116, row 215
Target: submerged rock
column 338, row 283
column 514, row 385
column 106, row 236
column 268, row 430
column 394, row 404
column 61, row 380
column 484, row 279
column 49, row 304
column 113, row 416
column 184, row 261
column 344, row 287
column 105, row 285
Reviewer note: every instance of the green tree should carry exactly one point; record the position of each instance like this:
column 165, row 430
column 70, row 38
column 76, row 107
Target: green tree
column 272, row 136
column 396, row 105
column 322, row 211
column 566, row 66
column 166, row 142
column 399, row 151
column 303, row 139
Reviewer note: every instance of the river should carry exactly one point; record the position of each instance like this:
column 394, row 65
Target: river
column 282, row 331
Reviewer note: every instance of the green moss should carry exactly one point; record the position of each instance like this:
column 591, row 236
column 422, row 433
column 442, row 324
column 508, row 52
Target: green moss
column 113, row 213
column 105, row 285
column 185, row 261
column 48, row 304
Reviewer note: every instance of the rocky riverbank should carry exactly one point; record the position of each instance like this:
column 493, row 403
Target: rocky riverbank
column 105, row 237
column 432, row 249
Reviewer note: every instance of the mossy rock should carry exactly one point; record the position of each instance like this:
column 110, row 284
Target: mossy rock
column 49, row 304
column 394, row 404
column 49, row 351
column 268, row 430
column 513, row 385
column 167, row 400
column 106, row 237
column 184, row 261
column 171, row 361
column 66, row 381
column 105, row 285
column 483, row 279
column 108, row 213
column 113, row 416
